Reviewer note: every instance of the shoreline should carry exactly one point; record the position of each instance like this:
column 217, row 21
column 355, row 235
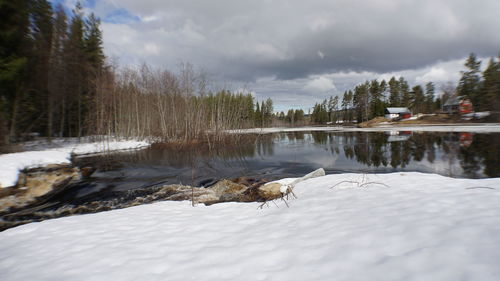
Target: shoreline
column 445, row 127
column 59, row 151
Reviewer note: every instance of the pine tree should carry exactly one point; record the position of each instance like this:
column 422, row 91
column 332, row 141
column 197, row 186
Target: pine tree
column 417, row 99
column 290, row 116
column 76, row 69
column 36, row 102
column 346, row 106
column 258, row 115
column 57, row 74
column 429, row 97
column 361, row 101
column 14, row 47
column 394, row 92
column 469, row 85
column 376, row 99
column 490, row 90
column 404, row 93
column 93, row 44
column 298, row 115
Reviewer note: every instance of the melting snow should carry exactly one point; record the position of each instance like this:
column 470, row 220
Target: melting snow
column 420, row 227
column 58, row 152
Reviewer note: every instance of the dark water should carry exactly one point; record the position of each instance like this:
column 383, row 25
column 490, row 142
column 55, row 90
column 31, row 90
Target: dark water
column 463, row 155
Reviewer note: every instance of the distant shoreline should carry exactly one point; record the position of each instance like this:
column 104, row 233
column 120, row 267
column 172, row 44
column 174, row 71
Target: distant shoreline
column 445, row 127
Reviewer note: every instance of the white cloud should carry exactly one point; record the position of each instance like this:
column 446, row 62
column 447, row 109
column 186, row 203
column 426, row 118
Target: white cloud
column 152, row 48
column 320, row 84
column 296, row 49
column 320, row 23
column 435, row 74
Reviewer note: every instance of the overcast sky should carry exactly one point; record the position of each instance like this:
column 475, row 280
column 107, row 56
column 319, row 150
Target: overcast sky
column 300, row 52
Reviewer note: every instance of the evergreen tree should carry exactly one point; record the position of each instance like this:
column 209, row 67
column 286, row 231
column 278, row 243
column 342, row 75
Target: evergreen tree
column 429, row 97
column 75, row 59
column 332, row 108
column 383, row 91
column 14, row 46
column 404, row 93
column 346, row 106
column 36, row 101
column 298, row 115
column 361, row 101
column 469, row 85
column 290, row 116
column 490, row 90
column 417, row 99
column 93, row 44
column 376, row 99
column 320, row 113
column 57, row 74
column 258, row 115
column 394, row 92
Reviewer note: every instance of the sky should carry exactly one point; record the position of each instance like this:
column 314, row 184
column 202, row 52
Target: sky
column 300, row 52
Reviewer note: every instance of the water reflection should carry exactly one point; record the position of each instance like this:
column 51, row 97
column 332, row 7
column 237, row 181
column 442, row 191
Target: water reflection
column 453, row 154
column 296, row 153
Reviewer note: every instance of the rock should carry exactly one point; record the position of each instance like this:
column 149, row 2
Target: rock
column 197, row 195
column 277, row 189
column 87, row 171
column 38, row 184
column 228, row 188
column 270, row 191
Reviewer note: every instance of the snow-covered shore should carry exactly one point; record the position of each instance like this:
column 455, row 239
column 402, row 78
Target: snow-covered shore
column 474, row 128
column 420, row 227
column 57, row 152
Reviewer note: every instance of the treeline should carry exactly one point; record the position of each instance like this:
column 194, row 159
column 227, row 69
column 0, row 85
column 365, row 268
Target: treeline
column 50, row 63
column 55, row 81
column 293, row 117
column 171, row 106
column 369, row 99
column 482, row 88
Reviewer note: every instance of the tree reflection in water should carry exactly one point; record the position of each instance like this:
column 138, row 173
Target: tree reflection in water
column 477, row 154
column 293, row 154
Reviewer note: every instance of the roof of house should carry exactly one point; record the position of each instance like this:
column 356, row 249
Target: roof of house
column 453, row 100
column 397, row 110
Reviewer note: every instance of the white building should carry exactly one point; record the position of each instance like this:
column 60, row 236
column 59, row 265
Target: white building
column 397, row 113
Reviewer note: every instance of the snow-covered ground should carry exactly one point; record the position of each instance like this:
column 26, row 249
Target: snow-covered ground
column 57, row 152
column 477, row 128
column 420, row 227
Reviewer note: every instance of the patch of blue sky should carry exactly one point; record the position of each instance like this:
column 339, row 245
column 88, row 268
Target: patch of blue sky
column 120, row 15
column 112, row 14
column 67, row 3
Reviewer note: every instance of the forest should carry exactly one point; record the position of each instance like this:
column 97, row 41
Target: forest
column 369, row 99
column 55, row 81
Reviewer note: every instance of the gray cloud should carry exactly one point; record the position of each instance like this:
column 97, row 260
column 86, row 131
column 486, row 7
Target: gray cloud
column 284, row 40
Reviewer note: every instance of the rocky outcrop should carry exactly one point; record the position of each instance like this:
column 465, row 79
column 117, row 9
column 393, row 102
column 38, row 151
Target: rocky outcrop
column 37, row 185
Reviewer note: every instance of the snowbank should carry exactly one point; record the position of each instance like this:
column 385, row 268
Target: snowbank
column 421, row 227
column 58, row 152
column 477, row 128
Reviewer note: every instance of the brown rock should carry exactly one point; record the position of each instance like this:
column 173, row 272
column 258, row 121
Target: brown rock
column 36, row 185
column 227, row 187
column 270, row 191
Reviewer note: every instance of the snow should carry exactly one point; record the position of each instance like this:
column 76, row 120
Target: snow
column 419, row 227
column 477, row 128
column 57, row 152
